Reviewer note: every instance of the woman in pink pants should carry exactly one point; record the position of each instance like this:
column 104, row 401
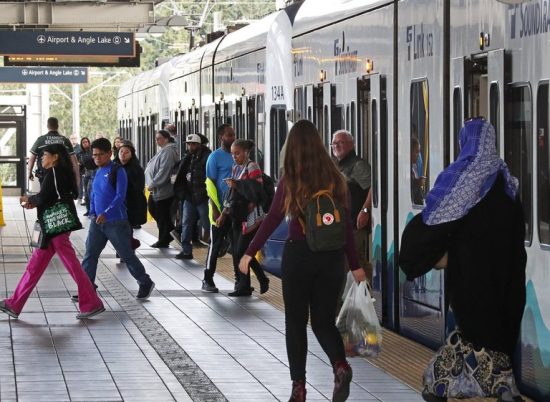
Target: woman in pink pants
column 59, row 183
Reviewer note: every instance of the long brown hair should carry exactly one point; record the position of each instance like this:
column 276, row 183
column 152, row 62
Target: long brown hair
column 308, row 169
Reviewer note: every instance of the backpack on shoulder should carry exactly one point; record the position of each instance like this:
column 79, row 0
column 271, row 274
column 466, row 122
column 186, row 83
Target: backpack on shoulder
column 324, row 222
column 268, row 193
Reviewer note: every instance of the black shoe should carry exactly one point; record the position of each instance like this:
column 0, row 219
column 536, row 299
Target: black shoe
column 145, row 291
column 159, row 245
column 209, row 287
column 264, row 285
column 241, row 292
column 342, row 378
column 183, row 256
column 136, row 227
column 428, row 397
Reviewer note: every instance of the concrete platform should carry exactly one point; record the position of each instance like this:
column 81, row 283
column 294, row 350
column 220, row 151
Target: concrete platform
column 181, row 344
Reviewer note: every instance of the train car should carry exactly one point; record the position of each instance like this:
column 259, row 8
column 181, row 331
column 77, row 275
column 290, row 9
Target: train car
column 395, row 74
column 343, row 81
column 125, row 109
column 152, row 109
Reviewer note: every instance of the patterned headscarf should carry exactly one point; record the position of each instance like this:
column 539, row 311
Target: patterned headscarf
column 467, row 180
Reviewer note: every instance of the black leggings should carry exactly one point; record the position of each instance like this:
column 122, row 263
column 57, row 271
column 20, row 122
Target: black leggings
column 160, row 211
column 311, row 284
column 240, row 244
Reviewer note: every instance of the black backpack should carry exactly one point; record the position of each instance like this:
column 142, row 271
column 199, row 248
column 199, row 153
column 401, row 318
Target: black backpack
column 324, row 222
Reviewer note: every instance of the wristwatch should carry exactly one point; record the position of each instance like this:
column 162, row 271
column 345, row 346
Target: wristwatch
column 366, row 210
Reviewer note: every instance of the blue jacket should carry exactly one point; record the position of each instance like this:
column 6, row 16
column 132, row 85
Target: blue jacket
column 105, row 199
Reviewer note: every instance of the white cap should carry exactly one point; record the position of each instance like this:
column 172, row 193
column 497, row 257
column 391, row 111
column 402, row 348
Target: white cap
column 193, row 138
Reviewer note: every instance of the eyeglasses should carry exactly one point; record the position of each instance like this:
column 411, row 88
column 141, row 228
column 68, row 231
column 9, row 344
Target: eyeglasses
column 99, row 155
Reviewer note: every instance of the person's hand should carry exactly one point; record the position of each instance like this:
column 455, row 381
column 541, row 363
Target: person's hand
column 31, row 176
column 23, row 199
column 359, row 275
column 220, row 220
column 363, row 219
column 100, row 219
column 244, row 264
column 422, row 181
column 230, row 182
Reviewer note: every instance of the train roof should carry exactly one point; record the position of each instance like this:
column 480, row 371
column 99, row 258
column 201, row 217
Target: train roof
column 127, row 87
column 191, row 62
column 310, row 16
column 157, row 76
column 247, row 39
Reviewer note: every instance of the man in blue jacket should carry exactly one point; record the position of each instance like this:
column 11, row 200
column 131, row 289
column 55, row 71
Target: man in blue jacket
column 109, row 219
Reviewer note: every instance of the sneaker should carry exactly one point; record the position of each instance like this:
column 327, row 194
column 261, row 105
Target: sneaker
column 145, row 291
column 90, row 314
column 183, row 256
column 159, row 245
column 5, row 309
column 135, row 243
column 209, row 287
column 241, row 292
column 176, row 236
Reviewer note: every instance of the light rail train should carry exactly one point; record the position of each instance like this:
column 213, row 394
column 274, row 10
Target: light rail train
column 388, row 71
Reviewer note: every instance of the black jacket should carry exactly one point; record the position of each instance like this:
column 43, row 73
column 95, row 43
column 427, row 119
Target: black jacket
column 47, row 196
column 136, row 203
column 193, row 190
column 485, row 274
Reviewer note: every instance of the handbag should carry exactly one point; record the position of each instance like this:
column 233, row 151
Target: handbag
column 59, row 218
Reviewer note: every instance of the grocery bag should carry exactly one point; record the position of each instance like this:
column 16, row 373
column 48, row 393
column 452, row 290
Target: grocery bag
column 358, row 323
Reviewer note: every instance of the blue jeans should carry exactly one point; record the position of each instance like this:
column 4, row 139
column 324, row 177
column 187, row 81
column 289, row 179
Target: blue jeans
column 189, row 214
column 119, row 234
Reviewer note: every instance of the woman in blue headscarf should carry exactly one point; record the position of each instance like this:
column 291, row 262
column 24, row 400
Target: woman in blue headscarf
column 473, row 226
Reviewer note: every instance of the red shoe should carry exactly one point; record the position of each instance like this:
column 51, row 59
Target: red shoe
column 298, row 391
column 342, row 379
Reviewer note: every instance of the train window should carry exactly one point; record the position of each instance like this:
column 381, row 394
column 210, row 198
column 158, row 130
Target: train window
column 347, row 118
column 251, row 123
column 352, row 125
column 375, row 139
column 326, row 129
column 420, row 141
column 457, row 121
column 309, row 117
column 298, row 103
column 278, row 137
column 190, row 121
column 363, row 138
column 239, row 120
column 318, row 110
column 260, row 136
column 494, row 110
column 196, row 118
column 543, row 165
column 518, row 148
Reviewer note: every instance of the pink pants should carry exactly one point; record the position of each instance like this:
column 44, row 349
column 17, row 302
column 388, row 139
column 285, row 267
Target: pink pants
column 40, row 258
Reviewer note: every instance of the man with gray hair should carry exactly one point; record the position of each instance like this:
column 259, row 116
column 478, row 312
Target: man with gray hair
column 357, row 172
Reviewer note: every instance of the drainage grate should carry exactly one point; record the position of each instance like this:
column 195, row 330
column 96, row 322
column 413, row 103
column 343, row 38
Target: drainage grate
column 195, row 382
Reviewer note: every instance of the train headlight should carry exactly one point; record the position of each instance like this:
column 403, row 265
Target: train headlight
column 322, row 75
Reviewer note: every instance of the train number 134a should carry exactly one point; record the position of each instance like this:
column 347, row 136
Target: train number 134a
column 277, row 93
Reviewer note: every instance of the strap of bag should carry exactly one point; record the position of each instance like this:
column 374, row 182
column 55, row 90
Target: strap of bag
column 55, row 183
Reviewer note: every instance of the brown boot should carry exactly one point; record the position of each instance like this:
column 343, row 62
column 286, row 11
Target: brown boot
column 342, row 379
column 298, row 391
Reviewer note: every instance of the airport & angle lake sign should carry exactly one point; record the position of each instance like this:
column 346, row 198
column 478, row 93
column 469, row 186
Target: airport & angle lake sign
column 67, row 43
column 44, row 75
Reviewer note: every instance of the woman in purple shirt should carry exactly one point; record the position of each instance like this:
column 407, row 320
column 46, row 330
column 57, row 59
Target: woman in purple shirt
column 311, row 280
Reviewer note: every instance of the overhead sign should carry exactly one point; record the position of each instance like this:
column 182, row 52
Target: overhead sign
column 44, row 75
column 68, row 43
column 74, row 60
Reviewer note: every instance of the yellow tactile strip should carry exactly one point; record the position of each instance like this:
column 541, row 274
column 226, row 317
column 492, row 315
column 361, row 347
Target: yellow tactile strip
column 400, row 357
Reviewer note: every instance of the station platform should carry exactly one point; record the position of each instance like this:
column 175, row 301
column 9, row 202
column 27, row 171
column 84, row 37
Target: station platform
column 180, row 345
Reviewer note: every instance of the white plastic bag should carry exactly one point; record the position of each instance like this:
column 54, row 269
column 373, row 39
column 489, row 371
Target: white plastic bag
column 358, row 323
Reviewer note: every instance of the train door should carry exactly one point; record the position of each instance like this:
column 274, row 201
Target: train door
column 326, row 130
column 260, row 132
column 309, row 103
column 13, row 151
column 371, row 144
column 456, row 104
column 496, row 66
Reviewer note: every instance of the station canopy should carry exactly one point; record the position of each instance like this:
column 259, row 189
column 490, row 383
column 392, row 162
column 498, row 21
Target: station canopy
column 86, row 15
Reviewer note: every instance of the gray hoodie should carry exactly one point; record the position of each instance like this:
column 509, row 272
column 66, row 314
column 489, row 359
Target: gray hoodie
column 158, row 172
